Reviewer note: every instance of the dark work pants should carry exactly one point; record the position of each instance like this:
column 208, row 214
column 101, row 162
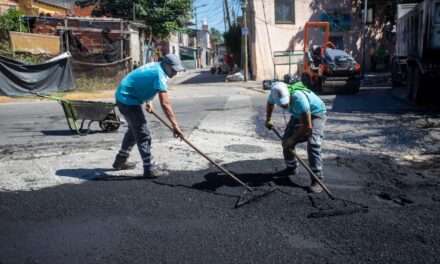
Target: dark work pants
column 314, row 142
column 137, row 133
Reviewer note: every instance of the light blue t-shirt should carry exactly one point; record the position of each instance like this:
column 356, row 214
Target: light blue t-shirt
column 142, row 84
column 302, row 102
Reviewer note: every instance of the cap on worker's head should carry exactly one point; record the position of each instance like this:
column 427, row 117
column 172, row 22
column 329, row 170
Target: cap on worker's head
column 280, row 93
column 174, row 61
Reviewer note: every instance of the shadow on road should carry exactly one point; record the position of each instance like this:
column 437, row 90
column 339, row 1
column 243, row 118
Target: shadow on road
column 205, row 77
column 85, row 174
column 371, row 100
column 204, row 180
column 58, row 133
column 214, row 181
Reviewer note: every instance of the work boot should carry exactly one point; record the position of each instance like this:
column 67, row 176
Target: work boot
column 121, row 163
column 154, row 172
column 315, row 187
column 289, row 171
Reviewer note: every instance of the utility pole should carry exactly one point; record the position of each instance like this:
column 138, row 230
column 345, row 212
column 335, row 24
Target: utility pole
column 134, row 10
column 244, row 40
column 197, row 31
column 364, row 42
column 197, row 40
column 224, row 16
column 228, row 17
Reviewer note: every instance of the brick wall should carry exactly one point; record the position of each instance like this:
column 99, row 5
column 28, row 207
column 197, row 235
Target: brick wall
column 83, row 11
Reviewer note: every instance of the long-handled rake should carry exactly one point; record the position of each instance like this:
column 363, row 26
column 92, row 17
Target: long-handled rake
column 331, row 210
column 250, row 194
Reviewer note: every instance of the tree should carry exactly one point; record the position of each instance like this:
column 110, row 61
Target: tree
column 10, row 21
column 164, row 16
column 233, row 42
column 216, row 36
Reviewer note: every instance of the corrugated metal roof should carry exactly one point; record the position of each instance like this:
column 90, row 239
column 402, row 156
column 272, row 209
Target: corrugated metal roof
column 67, row 4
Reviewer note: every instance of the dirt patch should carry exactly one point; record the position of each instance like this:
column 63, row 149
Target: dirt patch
column 5, row 99
column 106, row 94
column 76, row 95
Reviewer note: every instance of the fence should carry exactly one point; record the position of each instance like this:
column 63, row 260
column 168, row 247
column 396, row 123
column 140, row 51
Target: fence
column 291, row 59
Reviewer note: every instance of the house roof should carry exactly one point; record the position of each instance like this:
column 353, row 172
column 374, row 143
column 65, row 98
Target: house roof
column 66, row 4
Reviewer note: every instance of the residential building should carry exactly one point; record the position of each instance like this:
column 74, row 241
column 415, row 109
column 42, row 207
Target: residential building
column 46, row 7
column 7, row 4
column 277, row 25
column 204, row 46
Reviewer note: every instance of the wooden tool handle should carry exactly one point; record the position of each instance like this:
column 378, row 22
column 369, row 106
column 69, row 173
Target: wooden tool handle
column 203, row 154
column 316, row 178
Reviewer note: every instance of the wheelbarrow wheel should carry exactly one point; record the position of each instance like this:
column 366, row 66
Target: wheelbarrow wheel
column 110, row 123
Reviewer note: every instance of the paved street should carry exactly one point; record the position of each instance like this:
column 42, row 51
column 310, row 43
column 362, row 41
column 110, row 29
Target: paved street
column 61, row 203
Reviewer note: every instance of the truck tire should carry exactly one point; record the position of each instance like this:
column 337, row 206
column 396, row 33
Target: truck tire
column 417, row 93
column 410, row 83
column 353, row 85
column 417, row 85
column 317, row 86
column 396, row 74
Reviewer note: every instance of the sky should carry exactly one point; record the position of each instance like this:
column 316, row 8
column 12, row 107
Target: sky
column 212, row 11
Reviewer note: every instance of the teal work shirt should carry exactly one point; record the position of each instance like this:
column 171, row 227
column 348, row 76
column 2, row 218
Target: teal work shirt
column 142, row 84
column 302, row 102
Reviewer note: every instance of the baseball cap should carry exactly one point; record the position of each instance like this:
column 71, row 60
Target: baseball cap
column 280, row 93
column 174, row 61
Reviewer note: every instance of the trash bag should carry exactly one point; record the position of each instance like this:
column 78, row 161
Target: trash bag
column 236, row 77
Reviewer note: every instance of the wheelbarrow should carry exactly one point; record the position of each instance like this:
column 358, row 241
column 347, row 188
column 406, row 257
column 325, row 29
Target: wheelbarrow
column 82, row 111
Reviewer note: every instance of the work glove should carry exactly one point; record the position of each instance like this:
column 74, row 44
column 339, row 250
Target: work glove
column 269, row 124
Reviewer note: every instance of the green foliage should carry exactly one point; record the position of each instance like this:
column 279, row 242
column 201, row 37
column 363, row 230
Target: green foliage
column 164, row 16
column 216, row 36
column 10, row 21
column 233, row 42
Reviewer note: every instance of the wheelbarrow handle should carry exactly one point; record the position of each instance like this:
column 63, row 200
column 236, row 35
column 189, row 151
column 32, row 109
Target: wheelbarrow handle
column 46, row 96
column 316, row 178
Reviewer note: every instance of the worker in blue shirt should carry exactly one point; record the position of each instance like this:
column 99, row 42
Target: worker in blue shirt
column 307, row 122
column 138, row 87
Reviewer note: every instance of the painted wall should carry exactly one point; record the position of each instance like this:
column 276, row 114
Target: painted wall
column 137, row 45
column 267, row 37
column 34, row 8
column 83, row 11
column 35, row 43
column 6, row 4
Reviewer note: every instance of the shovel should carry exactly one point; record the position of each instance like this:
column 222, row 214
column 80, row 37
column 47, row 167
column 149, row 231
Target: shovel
column 249, row 194
column 345, row 209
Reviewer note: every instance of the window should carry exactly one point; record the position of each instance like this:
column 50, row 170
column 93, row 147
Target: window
column 285, row 11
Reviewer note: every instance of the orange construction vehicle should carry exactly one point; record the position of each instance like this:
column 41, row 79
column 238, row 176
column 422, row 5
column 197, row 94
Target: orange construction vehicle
column 327, row 66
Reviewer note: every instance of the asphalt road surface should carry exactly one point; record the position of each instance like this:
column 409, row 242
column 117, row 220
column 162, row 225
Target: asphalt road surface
column 189, row 215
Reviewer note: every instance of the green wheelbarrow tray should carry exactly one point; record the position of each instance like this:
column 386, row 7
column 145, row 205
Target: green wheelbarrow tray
column 90, row 111
column 82, row 111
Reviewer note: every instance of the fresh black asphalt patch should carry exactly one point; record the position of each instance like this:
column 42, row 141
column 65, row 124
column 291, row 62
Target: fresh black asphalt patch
column 188, row 217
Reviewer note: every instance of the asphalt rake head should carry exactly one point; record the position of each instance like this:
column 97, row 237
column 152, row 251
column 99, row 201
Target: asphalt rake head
column 335, row 207
column 255, row 194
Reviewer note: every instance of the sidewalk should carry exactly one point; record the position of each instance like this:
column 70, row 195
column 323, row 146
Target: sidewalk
column 194, row 77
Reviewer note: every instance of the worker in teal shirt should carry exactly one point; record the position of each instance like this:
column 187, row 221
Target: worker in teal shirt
column 138, row 87
column 307, row 122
